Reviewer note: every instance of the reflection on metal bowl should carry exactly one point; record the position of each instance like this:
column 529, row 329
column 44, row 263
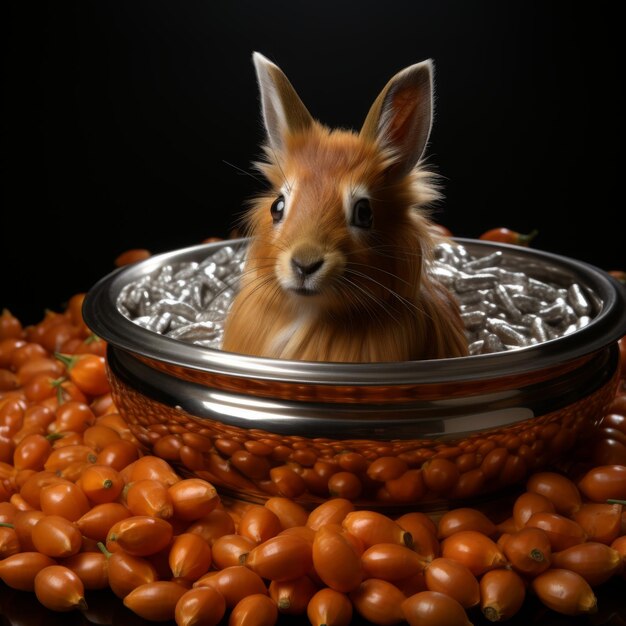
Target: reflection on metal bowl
column 418, row 434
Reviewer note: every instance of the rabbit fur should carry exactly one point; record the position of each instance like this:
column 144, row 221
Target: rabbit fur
column 335, row 269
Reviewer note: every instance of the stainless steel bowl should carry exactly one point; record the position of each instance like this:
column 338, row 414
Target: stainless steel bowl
column 382, row 434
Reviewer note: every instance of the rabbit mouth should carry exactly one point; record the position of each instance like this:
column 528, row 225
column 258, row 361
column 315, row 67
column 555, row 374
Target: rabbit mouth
column 308, row 271
column 304, row 291
column 302, row 286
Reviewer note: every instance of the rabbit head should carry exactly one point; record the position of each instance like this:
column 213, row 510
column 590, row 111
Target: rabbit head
column 335, row 262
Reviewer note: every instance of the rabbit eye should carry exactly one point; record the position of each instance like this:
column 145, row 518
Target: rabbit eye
column 277, row 209
column 362, row 214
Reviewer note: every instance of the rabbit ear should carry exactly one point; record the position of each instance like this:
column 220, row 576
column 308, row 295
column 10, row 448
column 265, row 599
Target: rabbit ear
column 401, row 117
column 283, row 111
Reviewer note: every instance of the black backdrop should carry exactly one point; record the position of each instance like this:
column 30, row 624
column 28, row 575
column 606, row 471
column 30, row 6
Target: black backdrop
column 118, row 111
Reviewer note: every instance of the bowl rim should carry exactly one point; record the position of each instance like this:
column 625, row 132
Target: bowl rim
column 105, row 320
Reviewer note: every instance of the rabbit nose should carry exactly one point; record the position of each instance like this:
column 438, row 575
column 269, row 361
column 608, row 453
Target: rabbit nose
column 305, row 268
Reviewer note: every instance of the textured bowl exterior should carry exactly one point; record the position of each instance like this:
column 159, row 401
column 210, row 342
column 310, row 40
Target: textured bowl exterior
column 415, row 434
column 254, row 463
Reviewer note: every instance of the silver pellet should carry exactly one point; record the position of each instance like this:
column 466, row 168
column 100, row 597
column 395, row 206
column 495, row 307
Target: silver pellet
column 504, row 299
column 476, row 347
column 482, row 305
column 446, row 275
column 554, row 313
column 507, row 276
column 219, row 286
column 495, row 258
column 514, row 288
column 210, row 316
column 471, row 297
column 180, row 287
column 208, row 281
column 569, row 329
column 215, row 343
column 582, row 321
column 224, row 271
column 143, row 320
column 186, row 272
column 506, row 332
column 145, row 302
column 135, row 297
column 561, row 327
column 448, row 253
column 160, row 323
column 475, row 281
column 577, row 300
column 175, row 307
column 541, row 290
column 462, row 253
column 539, row 330
column 492, row 343
column 196, row 294
column 178, row 321
column 526, row 304
column 160, row 291
column 165, row 274
column 521, row 328
column 223, row 301
column 223, row 255
column 528, row 319
column 184, row 294
column 123, row 300
column 197, row 330
column 472, row 319
column 208, row 267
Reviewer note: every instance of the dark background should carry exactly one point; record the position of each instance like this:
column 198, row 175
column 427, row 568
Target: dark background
column 116, row 112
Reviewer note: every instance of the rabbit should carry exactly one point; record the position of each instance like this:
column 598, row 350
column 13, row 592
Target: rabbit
column 335, row 265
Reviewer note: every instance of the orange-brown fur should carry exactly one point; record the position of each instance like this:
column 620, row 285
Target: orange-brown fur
column 344, row 324
column 396, row 313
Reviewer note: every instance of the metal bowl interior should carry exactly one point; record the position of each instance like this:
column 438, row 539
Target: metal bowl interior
column 454, row 428
column 105, row 319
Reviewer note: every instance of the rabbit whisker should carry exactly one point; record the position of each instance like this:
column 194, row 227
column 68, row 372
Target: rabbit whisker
column 406, row 303
column 242, row 171
column 263, row 281
column 381, row 304
column 379, row 269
